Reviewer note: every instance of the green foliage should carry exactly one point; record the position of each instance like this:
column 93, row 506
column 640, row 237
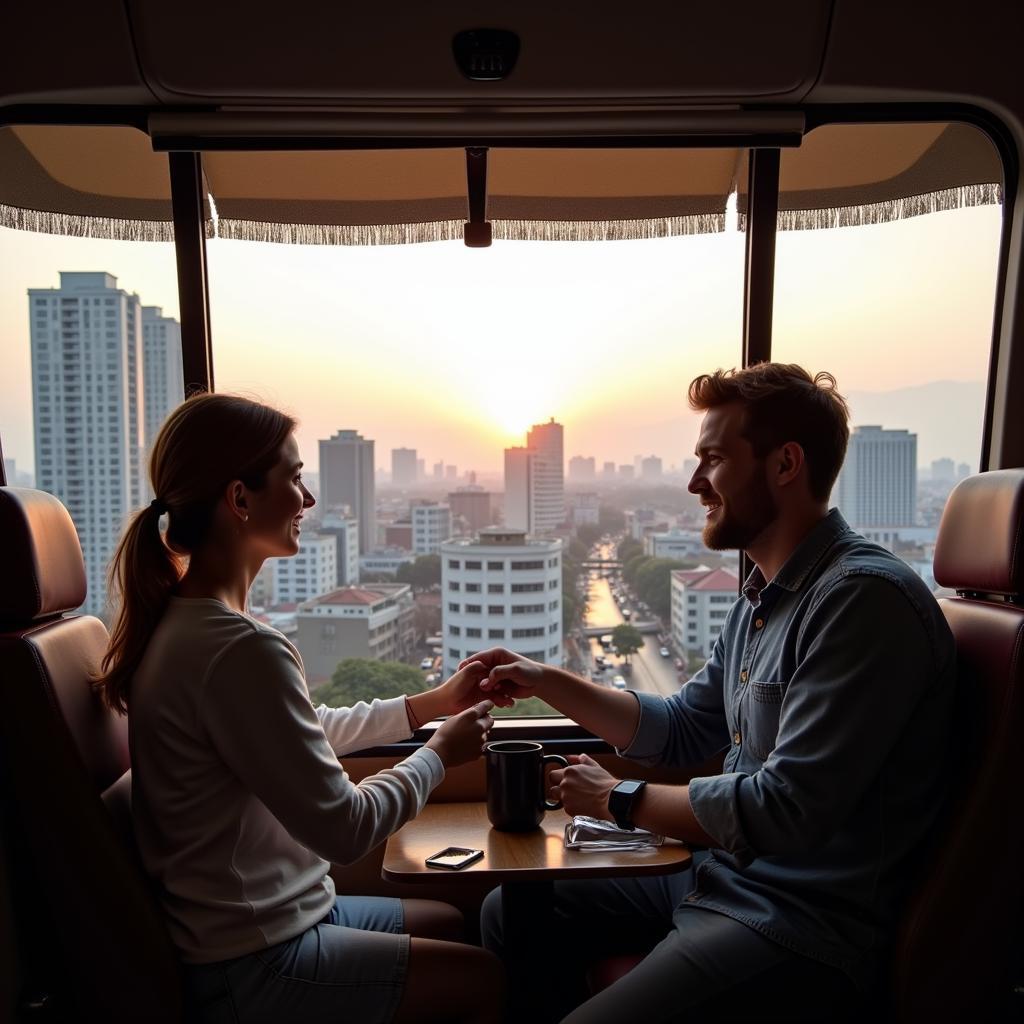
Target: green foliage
column 632, row 566
column 589, row 534
column 627, row 639
column 628, row 549
column 527, row 706
column 357, row 679
column 576, row 551
column 422, row 574
column 653, row 584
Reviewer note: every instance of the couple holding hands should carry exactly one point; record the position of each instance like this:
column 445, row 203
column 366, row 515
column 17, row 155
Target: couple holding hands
column 827, row 698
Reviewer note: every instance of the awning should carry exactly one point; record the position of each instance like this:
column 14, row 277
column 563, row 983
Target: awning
column 107, row 182
column 852, row 174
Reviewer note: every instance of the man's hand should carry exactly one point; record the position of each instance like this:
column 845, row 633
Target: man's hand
column 583, row 787
column 462, row 689
column 508, row 676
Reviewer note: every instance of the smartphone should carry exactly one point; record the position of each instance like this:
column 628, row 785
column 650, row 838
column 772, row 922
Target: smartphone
column 453, row 858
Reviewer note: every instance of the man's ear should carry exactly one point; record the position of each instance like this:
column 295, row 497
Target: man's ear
column 790, row 462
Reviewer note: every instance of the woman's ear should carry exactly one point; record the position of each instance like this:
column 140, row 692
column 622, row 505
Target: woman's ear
column 237, row 499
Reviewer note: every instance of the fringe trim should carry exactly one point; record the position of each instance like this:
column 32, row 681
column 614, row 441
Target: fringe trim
column 118, row 229
column 891, row 210
column 451, row 230
column 339, row 234
column 608, row 230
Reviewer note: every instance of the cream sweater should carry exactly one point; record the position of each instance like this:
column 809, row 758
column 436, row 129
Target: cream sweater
column 238, row 800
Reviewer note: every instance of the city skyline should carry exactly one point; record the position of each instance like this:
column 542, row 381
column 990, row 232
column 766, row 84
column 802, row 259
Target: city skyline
column 605, row 339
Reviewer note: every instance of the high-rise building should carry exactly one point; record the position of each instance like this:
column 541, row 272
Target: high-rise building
column 545, row 441
column 608, row 471
column 877, row 485
column 943, row 470
column 345, row 531
column 431, row 526
column 162, row 377
column 505, row 588
column 308, row 574
column 87, row 400
column 438, row 471
column 586, row 508
column 451, row 472
column 517, row 489
column 650, row 468
column 626, row 472
column 473, row 505
column 403, row 467
column 347, row 478
column 421, row 469
column 582, row 468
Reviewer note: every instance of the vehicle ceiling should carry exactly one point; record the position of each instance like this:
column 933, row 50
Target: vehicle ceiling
column 193, row 54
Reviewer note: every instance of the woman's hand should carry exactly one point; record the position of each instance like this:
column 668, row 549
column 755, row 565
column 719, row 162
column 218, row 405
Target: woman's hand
column 462, row 690
column 461, row 738
column 508, row 677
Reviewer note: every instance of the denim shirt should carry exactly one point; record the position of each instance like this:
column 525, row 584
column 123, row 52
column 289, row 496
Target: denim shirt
column 831, row 688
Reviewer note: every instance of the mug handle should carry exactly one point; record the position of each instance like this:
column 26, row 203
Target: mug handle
column 550, row 805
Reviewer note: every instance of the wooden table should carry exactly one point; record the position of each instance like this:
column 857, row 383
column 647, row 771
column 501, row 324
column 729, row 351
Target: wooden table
column 511, row 857
column 526, row 864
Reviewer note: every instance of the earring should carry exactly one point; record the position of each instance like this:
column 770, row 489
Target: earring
column 245, row 519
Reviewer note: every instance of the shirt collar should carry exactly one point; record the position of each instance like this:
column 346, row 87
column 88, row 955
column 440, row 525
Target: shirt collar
column 804, row 558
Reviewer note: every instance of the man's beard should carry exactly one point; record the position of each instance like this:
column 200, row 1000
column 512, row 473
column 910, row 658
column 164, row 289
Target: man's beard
column 747, row 517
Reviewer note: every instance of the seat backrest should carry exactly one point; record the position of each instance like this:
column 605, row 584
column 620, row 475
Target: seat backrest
column 952, row 953
column 62, row 750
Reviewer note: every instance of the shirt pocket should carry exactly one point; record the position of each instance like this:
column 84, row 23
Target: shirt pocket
column 764, row 705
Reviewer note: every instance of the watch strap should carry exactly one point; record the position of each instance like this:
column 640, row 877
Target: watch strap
column 622, row 799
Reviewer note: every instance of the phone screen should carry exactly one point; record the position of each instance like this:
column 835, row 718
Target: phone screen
column 454, row 857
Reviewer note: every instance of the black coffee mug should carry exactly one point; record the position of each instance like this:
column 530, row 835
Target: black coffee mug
column 515, row 784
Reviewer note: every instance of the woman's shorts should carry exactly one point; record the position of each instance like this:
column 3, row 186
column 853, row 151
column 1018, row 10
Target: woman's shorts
column 349, row 967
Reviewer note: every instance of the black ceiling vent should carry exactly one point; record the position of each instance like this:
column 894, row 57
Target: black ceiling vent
column 486, row 54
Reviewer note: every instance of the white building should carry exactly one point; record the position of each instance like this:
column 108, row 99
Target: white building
column 375, row 621
column 502, row 588
column 347, row 479
column 163, row 384
column 675, row 543
column 87, row 402
column 701, row 599
column 650, row 468
column 517, row 489
column 586, row 508
column 431, row 526
column 877, row 485
column 386, row 561
column 345, row 530
column 310, row 573
column 403, row 467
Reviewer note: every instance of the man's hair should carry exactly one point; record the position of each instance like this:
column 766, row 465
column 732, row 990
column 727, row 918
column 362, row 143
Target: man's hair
column 784, row 403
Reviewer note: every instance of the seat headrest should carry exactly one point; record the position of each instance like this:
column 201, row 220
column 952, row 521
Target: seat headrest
column 44, row 573
column 980, row 546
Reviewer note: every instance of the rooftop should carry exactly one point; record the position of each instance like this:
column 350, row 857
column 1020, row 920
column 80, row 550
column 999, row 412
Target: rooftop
column 361, row 595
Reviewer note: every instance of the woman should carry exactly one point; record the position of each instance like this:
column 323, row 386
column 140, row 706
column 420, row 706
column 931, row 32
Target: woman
column 239, row 802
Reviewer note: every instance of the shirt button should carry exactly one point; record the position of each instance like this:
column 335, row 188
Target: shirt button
column 759, row 623
column 736, row 738
column 743, row 676
column 692, row 898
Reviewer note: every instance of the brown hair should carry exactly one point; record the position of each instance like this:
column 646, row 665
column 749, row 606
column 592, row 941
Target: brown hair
column 207, row 442
column 784, row 403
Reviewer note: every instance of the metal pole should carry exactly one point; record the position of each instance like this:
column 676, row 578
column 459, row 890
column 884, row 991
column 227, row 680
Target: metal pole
column 759, row 269
column 193, row 289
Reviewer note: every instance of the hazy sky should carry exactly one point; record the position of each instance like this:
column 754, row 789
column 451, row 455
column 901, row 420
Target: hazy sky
column 456, row 351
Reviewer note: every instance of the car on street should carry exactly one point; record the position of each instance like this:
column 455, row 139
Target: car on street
column 618, row 682
column 664, row 652
column 427, row 664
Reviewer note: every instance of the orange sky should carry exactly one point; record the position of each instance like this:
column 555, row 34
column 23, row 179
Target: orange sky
column 456, row 352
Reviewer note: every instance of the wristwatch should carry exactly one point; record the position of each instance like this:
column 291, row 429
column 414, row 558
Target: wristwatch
column 622, row 799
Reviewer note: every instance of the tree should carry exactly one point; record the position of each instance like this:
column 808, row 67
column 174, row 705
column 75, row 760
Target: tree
column 589, row 533
column 422, row 574
column 627, row 640
column 632, row 567
column 357, row 679
column 654, row 584
column 628, row 549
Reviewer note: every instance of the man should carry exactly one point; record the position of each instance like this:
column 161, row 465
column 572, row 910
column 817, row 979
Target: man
column 829, row 689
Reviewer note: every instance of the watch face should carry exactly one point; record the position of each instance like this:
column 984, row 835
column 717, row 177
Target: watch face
column 629, row 786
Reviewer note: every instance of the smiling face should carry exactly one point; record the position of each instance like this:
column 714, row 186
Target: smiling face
column 731, row 482
column 275, row 511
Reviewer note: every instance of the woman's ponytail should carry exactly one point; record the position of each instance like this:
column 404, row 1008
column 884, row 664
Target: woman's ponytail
column 205, row 443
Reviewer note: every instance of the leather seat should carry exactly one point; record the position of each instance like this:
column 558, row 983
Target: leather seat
column 90, row 932
column 952, row 954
